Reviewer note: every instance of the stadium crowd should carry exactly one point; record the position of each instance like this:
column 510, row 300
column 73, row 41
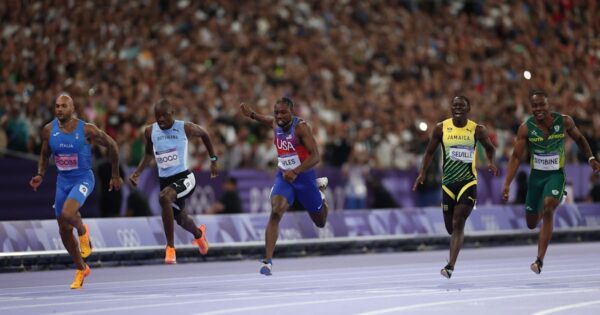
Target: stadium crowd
column 368, row 75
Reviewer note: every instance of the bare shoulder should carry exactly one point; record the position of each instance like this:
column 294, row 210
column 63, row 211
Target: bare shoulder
column 523, row 130
column 90, row 129
column 46, row 130
column 438, row 130
column 148, row 130
column 568, row 121
column 303, row 126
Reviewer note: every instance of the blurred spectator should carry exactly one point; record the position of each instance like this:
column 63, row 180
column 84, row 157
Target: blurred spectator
column 361, row 72
column 380, row 196
column 137, row 204
column 429, row 194
column 356, row 171
column 110, row 201
column 16, row 128
column 230, row 201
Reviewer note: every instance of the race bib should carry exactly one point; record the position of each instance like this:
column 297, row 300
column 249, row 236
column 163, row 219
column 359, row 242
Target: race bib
column 289, row 162
column 546, row 162
column 66, row 162
column 461, row 153
column 167, row 158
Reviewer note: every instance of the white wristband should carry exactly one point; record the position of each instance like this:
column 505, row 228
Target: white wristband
column 591, row 158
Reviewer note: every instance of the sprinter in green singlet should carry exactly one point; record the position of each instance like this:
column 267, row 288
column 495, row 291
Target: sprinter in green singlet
column 543, row 135
column 458, row 136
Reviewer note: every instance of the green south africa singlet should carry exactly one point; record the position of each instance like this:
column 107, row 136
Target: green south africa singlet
column 547, row 178
column 547, row 154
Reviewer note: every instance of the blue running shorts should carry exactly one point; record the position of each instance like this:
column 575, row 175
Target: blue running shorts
column 304, row 188
column 77, row 188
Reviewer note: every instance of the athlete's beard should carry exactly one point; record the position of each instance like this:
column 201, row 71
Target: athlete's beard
column 65, row 118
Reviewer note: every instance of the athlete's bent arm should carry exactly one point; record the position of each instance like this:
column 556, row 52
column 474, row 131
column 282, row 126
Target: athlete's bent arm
column 148, row 156
column 248, row 112
column 482, row 136
column 100, row 137
column 304, row 134
column 193, row 130
column 515, row 159
column 582, row 143
column 434, row 142
column 36, row 180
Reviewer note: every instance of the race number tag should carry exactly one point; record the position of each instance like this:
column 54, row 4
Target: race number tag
column 66, row 162
column 461, row 153
column 167, row 158
column 546, row 162
column 288, row 162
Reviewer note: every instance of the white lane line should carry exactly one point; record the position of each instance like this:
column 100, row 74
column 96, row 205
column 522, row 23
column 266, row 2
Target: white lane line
column 334, row 282
column 263, row 307
column 229, row 300
column 466, row 265
column 566, row 307
column 310, row 278
column 480, row 299
column 420, row 279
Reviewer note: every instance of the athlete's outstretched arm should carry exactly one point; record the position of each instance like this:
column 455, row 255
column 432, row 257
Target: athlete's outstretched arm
column 434, row 142
column 100, row 137
column 148, row 156
column 515, row 159
column 36, row 180
column 482, row 136
column 193, row 130
column 248, row 112
column 582, row 143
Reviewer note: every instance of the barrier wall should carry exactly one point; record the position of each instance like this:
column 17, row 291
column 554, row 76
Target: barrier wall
column 18, row 202
column 238, row 230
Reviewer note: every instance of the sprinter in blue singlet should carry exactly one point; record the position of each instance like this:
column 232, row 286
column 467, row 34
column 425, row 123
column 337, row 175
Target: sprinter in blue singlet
column 68, row 140
column 166, row 142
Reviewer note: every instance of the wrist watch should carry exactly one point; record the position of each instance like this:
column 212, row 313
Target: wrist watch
column 213, row 158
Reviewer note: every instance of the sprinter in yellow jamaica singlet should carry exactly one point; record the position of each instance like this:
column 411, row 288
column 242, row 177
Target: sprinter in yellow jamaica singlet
column 458, row 136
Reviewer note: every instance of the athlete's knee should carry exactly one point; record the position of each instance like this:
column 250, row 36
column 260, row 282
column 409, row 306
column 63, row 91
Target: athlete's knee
column 548, row 214
column 458, row 224
column 277, row 213
column 165, row 198
column 64, row 228
column 532, row 221
column 320, row 222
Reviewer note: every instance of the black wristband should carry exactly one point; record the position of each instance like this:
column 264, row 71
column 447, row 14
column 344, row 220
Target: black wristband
column 40, row 175
column 253, row 115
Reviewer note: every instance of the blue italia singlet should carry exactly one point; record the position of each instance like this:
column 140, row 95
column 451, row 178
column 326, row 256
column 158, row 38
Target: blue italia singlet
column 73, row 159
column 72, row 153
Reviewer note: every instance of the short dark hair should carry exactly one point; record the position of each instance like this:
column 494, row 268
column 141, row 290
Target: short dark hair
column 162, row 103
column 464, row 98
column 534, row 92
column 286, row 101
